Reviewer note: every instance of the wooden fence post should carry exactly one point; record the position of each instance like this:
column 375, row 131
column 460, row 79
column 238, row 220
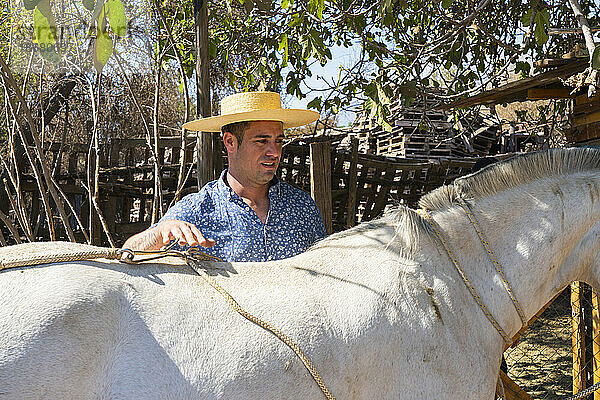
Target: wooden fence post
column 320, row 180
column 577, row 338
column 352, row 185
column 596, row 342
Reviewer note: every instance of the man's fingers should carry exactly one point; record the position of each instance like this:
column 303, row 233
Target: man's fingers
column 184, row 233
column 202, row 241
column 166, row 237
column 187, row 235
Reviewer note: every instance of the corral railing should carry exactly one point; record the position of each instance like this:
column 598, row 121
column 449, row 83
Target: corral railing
column 362, row 185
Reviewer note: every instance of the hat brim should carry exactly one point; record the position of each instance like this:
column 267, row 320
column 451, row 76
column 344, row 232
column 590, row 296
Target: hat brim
column 288, row 116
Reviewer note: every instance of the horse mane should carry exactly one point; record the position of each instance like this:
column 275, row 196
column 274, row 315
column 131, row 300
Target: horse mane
column 407, row 223
column 519, row 170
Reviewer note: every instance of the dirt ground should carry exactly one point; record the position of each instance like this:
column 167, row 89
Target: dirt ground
column 541, row 363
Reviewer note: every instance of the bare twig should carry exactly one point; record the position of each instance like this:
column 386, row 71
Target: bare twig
column 157, row 198
column 19, row 207
column 11, row 227
column 589, row 42
column 94, row 165
column 182, row 152
column 18, row 212
column 34, row 167
column 9, row 81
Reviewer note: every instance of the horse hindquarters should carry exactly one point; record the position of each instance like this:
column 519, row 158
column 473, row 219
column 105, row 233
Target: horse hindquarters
column 59, row 332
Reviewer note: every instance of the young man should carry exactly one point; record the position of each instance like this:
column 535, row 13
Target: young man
column 247, row 214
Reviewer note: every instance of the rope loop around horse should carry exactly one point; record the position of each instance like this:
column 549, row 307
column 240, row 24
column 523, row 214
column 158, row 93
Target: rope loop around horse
column 470, row 287
column 194, row 254
column 492, row 257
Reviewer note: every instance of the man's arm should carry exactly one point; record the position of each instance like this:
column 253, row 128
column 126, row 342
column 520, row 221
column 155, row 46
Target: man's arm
column 161, row 234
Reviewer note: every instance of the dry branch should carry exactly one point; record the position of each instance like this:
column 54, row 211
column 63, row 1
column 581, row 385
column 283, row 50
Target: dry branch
column 11, row 227
column 8, row 80
column 592, row 78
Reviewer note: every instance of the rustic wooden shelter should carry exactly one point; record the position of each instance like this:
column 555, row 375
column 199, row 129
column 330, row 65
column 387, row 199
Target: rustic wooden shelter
column 584, row 118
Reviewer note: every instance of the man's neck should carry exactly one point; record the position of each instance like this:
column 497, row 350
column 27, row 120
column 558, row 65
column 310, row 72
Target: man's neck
column 254, row 193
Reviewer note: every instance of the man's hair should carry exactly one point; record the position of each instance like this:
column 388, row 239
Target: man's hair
column 237, row 129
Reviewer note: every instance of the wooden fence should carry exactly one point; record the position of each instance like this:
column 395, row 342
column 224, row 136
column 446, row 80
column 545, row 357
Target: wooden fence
column 362, row 185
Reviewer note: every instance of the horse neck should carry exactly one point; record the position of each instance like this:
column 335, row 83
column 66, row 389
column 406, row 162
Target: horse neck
column 540, row 234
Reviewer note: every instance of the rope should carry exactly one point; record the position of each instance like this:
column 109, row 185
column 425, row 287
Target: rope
column 464, row 277
column 28, row 260
column 585, row 393
column 129, row 256
column 467, row 208
column 268, row 326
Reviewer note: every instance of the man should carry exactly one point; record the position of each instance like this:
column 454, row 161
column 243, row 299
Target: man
column 247, row 214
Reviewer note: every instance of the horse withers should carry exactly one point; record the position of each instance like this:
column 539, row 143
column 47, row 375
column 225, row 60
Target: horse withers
column 380, row 309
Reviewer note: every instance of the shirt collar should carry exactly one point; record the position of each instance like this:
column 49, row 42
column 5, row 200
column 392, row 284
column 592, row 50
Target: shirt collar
column 226, row 190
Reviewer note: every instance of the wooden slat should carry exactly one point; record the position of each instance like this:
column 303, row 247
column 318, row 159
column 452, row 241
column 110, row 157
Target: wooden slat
column 577, row 338
column 584, row 99
column 518, row 89
column 320, row 180
column 583, row 133
column 586, row 108
column 587, row 119
column 352, row 185
column 541, row 94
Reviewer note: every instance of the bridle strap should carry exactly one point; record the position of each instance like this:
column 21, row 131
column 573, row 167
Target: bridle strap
column 486, row 245
column 486, row 312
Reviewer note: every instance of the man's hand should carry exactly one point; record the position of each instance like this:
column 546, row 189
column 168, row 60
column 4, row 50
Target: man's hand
column 160, row 235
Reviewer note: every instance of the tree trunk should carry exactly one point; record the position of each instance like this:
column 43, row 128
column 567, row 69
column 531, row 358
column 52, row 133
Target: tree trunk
column 205, row 152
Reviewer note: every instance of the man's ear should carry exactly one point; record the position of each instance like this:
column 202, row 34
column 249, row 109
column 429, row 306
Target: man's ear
column 230, row 141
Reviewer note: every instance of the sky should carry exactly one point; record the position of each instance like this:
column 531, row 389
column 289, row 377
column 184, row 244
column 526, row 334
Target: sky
column 340, row 56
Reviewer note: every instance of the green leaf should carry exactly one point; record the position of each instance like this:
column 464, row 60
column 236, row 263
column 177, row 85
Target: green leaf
column 283, row 45
column 103, row 48
column 212, row 49
column 116, row 17
column 596, row 58
column 285, row 4
column 540, row 34
column 544, row 16
column 89, row 4
column 446, row 4
column 30, row 4
column 315, row 103
column 383, row 98
column 316, row 7
column 526, row 18
column 374, row 107
column 44, row 27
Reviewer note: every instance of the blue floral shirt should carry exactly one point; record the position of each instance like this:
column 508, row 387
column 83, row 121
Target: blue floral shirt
column 293, row 223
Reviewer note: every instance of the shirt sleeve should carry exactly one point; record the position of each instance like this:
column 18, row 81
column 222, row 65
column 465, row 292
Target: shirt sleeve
column 189, row 209
column 318, row 225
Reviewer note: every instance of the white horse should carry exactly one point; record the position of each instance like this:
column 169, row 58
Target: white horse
column 380, row 309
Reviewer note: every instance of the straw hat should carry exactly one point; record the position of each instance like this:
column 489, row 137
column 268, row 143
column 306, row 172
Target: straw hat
column 253, row 106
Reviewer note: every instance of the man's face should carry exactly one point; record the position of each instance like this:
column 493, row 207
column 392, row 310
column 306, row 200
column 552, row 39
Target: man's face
column 255, row 160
